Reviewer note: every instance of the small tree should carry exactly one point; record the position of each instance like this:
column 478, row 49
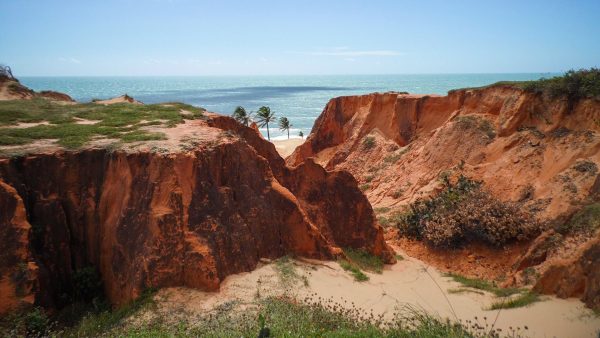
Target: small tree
column 301, row 134
column 240, row 115
column 284, row 124
column 6, row 71
column 264, row 116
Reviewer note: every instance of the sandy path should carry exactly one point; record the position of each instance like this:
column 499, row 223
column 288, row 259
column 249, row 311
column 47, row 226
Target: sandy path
column 405, row 283
column 286, row 147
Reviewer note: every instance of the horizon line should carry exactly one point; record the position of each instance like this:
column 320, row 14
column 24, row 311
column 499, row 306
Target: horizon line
column 331, row 74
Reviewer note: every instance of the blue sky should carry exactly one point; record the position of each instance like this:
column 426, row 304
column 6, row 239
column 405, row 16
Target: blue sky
column 185, row 37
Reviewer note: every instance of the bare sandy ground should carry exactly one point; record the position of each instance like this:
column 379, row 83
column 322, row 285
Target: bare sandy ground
column 286, row 147
column 408, row 283
column 119, row 99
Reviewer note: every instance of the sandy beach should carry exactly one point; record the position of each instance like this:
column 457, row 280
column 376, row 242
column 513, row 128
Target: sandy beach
column 286, row 147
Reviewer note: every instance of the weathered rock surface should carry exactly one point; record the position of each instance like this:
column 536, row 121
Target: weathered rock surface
column 521, row 145
column 538, row 151
column 12, row 89
column 18, row 272
column 188, row 216
column 575, row 277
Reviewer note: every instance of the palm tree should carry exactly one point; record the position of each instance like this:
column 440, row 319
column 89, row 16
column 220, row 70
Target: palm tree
column 301, row 134
column 284, row 124
column 240, row 115
column 264, row 116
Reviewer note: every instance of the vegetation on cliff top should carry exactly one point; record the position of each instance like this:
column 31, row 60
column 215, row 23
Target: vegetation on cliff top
column 573, row 85
column 73, row 125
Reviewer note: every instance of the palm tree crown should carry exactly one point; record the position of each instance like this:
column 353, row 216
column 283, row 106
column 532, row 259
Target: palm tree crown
column 264, row 115
column 240, row 115
column 284, row 124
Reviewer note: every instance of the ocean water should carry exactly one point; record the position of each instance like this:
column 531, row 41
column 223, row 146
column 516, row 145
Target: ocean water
column 299, row 98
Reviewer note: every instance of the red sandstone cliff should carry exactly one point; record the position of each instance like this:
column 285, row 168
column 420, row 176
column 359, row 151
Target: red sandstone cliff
column 178, row 218
column 12, row 89
column 529, row 148
column 510, row 139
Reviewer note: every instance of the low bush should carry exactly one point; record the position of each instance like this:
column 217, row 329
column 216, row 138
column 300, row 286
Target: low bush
column 484, row 126
column 574, row 85
column 87, row 284
column 586, row 167
column 464, row 212
column 586, row 220
column 368, row 142
column 26, row 322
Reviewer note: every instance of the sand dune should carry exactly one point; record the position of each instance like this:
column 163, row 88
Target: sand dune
column 410, row 282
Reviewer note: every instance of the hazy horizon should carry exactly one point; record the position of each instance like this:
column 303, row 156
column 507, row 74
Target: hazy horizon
column 295, row 75
column 272, row 38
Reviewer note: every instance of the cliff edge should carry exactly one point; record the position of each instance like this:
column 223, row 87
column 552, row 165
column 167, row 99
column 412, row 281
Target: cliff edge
column 537, row 152
column 176, row 197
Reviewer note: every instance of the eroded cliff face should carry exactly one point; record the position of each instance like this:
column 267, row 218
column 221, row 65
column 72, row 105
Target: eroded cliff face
column 519, row 144
column 174, row 218
column 528, row 148
column 12, row 89
column 18, row 270
column 576, row 276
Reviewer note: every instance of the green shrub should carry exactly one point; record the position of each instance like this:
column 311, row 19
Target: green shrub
column 364, row 260
column 586, row 167
column 574, row 85
column 393, row 158
column 469, row 122
column 585, row 220
column 37, row 322
column 87, row 284
column 381, row 210
column 464, row 212
column 368, row 142
column 96, row 323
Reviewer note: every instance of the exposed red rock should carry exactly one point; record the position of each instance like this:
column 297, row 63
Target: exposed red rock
column 18, row 272
column 57, row 96
column 529, row 148
column 12, row 89
column 181, row 218
column 575, row 277
column 510, row 139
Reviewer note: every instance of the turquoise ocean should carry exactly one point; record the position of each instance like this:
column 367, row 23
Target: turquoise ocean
column 299, row 98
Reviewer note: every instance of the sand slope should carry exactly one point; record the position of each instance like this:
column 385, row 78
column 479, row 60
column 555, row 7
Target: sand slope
column 409, row 282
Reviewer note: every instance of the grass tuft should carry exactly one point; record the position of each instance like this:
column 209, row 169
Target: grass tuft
column 521, row 300
column 483, row 285
column 364, row 260
column 359, row 276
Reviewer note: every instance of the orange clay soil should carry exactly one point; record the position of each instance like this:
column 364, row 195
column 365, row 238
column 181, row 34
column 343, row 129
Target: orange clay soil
column 524, row 147
column 209, row 201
